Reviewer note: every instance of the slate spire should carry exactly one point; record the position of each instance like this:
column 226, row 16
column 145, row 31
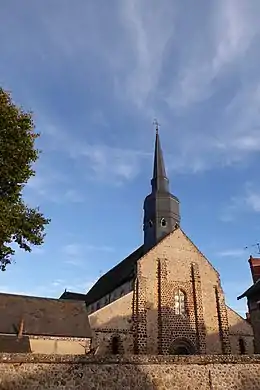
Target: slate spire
column 159, row 181
column 161, row 208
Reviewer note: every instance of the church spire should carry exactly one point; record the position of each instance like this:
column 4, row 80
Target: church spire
column 161, row 208
column 159, row 181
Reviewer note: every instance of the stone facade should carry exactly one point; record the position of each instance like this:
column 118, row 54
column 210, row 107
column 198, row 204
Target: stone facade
column 45, row 372
column 239, row 329
column 113, row 320
column 255, row 321
column 173, row 276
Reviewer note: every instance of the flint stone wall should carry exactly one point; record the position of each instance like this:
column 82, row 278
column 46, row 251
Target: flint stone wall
column 27, row 371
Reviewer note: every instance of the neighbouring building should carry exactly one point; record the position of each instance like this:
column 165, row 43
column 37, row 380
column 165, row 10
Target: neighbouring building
column 43, row 325
column 165, row 297
column 253, row 300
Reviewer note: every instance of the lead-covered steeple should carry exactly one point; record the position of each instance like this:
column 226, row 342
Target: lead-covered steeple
column 159, row 181
column 161, row 208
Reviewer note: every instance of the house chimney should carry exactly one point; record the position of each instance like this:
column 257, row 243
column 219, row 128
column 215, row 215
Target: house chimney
column 255, row 268
column 21, row 328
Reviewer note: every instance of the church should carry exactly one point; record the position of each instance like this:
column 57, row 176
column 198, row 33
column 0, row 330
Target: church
column 166, row 296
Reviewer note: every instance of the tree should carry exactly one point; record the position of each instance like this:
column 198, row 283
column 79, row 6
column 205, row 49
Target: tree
column 19, row 224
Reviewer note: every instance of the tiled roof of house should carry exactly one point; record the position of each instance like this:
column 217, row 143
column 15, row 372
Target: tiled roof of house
column 115, row 277
column 43, row 316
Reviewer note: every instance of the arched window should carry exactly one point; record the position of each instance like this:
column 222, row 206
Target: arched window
column 179, row 302
column 242, row 348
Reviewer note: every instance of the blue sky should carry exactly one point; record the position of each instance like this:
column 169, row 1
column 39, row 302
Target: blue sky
column 95, row 74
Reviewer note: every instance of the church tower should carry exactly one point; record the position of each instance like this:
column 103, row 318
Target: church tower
column 161, row 208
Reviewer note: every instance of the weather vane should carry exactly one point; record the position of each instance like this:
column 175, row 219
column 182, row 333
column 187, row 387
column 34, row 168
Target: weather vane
column 156, row 124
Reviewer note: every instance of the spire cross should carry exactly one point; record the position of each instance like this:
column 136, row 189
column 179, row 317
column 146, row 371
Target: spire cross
column 156, row 124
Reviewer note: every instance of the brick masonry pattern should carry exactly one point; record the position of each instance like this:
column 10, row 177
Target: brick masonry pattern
column 146, row 320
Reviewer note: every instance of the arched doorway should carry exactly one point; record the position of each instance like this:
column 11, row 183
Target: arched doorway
column 116, row 346
column 182, row 347
column 242, row 348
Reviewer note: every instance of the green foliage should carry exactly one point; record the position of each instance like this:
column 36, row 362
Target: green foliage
column 18, row 223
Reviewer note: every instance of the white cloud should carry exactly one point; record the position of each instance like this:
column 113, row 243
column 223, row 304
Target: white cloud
column 80, row 250
column 246, row 202
column 253, row 201
column 73, row 196
column 149, row 26
column 113, row 164
column 51, row 185
column 57, row 283
column 232, row 253
column 153, row 53
column 109, row 164
column 73, row 250
column 53, row 289
column 233, row 142
column 230, row 29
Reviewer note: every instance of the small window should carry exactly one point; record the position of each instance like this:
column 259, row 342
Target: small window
column 163, row 222
column 115, row 345
column 98, row 305
column 122, row 292
column 242, row 348
column 179, row 302
column 151, row 223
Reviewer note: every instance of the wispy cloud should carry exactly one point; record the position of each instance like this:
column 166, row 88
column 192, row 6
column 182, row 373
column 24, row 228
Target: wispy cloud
column 96, row 76
column 253, row 201
column 159, row 61
column 51, row 185
column 76, row 253
column 248, row 201
column 73, row 250
column 110, row 164
column 149, row 28
column 53, row 289
column 236, row 253
column 229, row 30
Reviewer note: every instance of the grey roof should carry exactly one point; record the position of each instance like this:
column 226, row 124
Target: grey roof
column 114, row 278
column 73, row 296
column 43, row 316
column 251, row 291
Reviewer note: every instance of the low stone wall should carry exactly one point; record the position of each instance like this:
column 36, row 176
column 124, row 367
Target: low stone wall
column 42, row 372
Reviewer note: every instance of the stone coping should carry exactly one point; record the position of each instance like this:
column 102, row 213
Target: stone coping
column 11, row 358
